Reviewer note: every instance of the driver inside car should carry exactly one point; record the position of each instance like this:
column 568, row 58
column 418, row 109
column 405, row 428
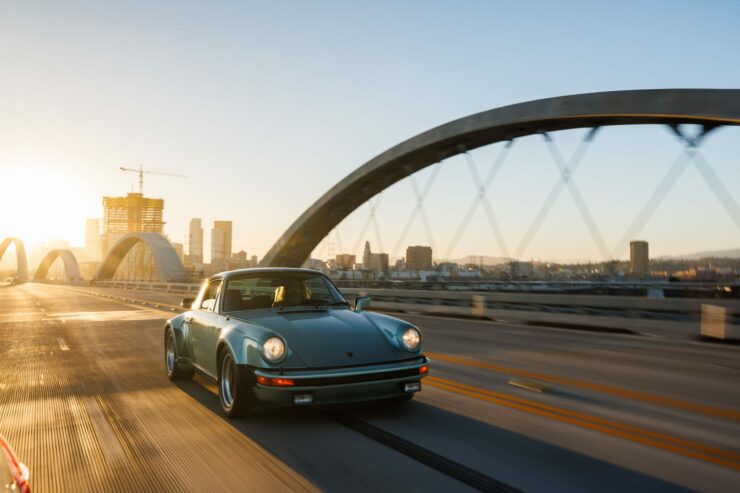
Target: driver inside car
column 291, row 293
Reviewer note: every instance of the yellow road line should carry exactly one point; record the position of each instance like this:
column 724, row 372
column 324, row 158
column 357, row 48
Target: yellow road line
column 694, row 407
column 686, row 448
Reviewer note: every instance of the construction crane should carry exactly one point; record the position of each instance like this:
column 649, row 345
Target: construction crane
column 142, row 172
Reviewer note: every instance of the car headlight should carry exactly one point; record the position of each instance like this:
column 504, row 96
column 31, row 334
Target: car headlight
column 411, row 339
column 273, row 349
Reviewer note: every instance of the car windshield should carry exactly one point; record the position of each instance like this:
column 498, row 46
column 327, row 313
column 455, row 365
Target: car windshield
column 257, row 290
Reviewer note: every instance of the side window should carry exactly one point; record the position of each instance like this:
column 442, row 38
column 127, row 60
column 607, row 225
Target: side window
column 209, row 298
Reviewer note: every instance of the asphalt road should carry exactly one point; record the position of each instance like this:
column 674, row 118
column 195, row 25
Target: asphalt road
column 85, row 402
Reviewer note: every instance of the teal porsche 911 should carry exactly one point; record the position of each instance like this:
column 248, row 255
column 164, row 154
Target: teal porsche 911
column 288, row 337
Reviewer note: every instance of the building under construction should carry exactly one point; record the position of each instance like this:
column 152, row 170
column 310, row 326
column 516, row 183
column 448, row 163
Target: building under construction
column 133, row 213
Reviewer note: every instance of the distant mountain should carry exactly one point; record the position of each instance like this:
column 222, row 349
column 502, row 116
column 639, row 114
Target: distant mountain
column 731, row 253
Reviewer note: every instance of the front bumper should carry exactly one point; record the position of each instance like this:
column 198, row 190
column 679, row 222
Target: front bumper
column 341, row 385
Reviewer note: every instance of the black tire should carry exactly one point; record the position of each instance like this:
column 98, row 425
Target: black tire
column 233, row 391
column 173, row 370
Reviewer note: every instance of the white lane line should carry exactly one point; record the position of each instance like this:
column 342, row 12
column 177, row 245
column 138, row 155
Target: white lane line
column 62, row 344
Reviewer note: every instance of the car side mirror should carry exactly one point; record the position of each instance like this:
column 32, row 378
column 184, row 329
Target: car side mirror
column 187, row 302
column 362, row 303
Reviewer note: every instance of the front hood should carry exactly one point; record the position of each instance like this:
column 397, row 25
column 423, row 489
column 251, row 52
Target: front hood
column 335, row 337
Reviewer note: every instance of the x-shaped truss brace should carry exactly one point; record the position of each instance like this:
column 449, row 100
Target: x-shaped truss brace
column 371, row 219
column 565, row 180
column 481, row 198
column 690, row 154
column 420, row 195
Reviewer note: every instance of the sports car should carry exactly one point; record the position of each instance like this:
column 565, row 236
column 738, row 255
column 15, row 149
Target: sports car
column 288, row 337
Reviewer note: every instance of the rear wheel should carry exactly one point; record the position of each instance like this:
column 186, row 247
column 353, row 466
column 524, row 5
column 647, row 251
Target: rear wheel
column 232, row 391
column 174, row 372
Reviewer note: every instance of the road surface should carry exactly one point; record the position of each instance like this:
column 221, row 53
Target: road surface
column 85, row 402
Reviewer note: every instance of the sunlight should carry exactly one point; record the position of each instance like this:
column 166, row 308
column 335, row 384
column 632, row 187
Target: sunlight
column 40, row 204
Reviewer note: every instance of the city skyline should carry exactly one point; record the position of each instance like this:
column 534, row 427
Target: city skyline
column 158, row 98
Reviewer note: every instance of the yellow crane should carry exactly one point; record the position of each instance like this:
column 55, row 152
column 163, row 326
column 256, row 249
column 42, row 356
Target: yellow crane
column 141, row 171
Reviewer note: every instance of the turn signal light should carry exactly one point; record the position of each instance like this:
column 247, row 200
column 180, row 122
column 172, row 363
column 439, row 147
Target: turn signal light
column 275, row 382
column 424, row 369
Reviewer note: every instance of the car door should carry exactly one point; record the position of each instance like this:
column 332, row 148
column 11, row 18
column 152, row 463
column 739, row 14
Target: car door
column 205, row 328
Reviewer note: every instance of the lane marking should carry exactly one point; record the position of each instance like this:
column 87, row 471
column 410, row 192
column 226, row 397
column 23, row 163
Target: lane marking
column 687, row 448
column 62, row 345
column 694, row 407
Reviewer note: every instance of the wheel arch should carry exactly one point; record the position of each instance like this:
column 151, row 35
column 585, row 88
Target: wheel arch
column 244, row 349
column 181, row 344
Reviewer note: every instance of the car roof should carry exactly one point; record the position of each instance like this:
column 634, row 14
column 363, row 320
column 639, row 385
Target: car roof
column 230, row 273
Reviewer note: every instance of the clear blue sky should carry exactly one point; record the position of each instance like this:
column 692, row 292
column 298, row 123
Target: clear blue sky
column 266, row 105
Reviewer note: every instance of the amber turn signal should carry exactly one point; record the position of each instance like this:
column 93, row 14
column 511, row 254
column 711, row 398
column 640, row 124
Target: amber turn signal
column 275, row 382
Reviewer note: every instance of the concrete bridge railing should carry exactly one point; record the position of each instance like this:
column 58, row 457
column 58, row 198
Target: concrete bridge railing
column 608, row 313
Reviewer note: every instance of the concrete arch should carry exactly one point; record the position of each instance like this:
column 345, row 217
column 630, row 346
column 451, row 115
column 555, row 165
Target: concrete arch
column 709, row 107
column 167, row 262
column 20, row 254
column 71, row 267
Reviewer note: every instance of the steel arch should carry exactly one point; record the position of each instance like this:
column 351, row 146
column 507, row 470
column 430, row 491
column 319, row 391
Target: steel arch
column 71, row 267
column 20, row 255
column 167, row 262
column 708, row 107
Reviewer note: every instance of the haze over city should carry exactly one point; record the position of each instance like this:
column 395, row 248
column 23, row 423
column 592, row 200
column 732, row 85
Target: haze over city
column 235, row 97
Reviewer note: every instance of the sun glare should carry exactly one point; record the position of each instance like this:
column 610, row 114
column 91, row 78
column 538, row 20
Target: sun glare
column 40, row 204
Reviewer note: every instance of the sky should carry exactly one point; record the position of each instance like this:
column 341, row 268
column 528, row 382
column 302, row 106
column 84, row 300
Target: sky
column 264, row 106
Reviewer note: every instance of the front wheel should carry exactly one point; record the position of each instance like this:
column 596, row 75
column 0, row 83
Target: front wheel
column 231, row 389
column 174, row 372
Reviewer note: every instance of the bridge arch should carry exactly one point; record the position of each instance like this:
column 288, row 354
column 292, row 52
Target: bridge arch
column 166, row 260
column 71, row 267
column 707, row 107
column 20, row 254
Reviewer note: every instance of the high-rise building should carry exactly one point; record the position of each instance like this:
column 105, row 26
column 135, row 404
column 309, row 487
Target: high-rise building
column 418, row 258
column 639, row 258
column 220, row 241
column 195, row 241
column 344, row 261
column 93, row 248
column 375, row 262
column 133, row 213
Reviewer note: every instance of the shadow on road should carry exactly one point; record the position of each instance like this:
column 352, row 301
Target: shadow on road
column 303, row 438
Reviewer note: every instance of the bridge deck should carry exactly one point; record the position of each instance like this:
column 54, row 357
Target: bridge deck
column 84, row 401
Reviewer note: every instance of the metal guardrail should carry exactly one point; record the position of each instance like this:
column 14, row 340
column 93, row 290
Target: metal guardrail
column 627, row 314
column 487, row 305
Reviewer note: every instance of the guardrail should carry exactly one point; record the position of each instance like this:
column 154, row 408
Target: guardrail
column 167, row 287
column 628, row 313
column 487, row 305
